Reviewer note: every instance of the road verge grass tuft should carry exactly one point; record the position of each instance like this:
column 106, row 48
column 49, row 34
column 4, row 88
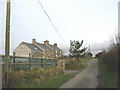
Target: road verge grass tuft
column 50, row 83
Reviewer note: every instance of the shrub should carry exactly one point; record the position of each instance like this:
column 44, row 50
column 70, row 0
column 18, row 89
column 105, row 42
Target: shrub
column 73, row 65
column 110, row 58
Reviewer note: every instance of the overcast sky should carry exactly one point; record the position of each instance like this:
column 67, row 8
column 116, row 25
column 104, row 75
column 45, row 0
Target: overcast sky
column 94, row 21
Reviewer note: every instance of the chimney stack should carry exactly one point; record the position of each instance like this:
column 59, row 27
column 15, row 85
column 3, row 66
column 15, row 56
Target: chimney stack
column 46, row 42
column 33, row 41
column 55, row 44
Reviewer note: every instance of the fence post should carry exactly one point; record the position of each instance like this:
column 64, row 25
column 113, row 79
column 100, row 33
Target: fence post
column 13, row 63
column 13, row 59
column 29, row 62
column 61, row 64
column 49, row 63
column 41, row 63
column 56, row 61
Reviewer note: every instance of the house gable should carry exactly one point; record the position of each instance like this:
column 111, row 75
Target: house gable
column 22, row 50
column 21, row 46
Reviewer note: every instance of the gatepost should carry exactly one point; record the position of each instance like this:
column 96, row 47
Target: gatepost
column 61, row 64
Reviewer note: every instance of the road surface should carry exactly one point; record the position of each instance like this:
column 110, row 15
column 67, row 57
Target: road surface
column 85, row 79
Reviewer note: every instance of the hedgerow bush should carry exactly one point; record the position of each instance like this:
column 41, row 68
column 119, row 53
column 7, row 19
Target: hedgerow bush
column 110, row 58
column 73, row 65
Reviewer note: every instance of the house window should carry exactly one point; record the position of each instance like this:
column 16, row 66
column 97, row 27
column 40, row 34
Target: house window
column 55, row 51
column 35, row 48
column 22, row 48
column 13, row 53
column 60, row 52
column 56, row 55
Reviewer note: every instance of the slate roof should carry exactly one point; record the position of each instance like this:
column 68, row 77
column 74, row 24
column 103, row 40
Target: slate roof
column 54, row 47
column 32, row 47
column 43, row 46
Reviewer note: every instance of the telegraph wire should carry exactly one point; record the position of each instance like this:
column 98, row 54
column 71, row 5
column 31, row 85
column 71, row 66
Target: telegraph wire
column 51, row 21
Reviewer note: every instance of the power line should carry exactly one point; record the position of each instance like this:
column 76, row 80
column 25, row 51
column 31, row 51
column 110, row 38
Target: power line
column 51, row 21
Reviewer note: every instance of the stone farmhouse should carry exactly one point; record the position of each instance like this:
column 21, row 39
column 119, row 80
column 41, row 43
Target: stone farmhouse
column 38, row 50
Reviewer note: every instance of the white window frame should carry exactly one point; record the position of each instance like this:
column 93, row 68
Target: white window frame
column 56, row 51
column 56, row 55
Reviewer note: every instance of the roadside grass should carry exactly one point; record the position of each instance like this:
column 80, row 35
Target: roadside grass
column 110, row 80
column 39, row 78
column 42, row 77
column 50, row 83
column 84, row 59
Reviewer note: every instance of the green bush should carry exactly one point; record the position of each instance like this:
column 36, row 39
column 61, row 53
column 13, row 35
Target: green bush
column 108, row 65
column 110, row 59
column 110, row 80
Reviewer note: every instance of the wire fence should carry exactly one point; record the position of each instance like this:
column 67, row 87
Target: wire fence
column 18, row 64
column 25, row 63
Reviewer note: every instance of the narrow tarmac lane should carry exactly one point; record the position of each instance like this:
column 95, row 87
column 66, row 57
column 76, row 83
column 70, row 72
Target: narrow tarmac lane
column 85, row 79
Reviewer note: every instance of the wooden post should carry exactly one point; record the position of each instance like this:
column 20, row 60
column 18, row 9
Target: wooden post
column 50, row 63
column 41, row 63
column 7, row 36
column 61, row 64
column 29, row 61
column 7, row 43
column 13, row 59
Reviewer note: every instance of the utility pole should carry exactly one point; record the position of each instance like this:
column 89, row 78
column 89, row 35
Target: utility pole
column 7, row 36
column 7, row 44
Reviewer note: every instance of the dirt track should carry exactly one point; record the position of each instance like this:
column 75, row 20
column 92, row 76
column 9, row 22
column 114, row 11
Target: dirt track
column 85, row 79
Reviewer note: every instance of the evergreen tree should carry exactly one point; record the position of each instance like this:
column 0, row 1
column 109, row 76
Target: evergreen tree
column 75, row 49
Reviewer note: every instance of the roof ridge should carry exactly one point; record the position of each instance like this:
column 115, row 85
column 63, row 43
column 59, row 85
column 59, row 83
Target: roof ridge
column 43, row 44
column 54, row 47
column 27, row 44
column 40, row 43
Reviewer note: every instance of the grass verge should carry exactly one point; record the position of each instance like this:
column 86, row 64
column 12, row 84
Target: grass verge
column 110, row 80
column 51, row 83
